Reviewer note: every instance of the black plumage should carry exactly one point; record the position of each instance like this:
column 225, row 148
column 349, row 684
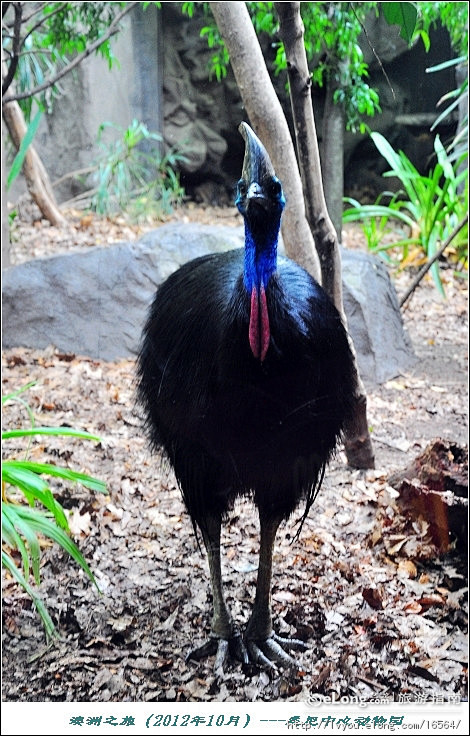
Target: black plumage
column 247, row 380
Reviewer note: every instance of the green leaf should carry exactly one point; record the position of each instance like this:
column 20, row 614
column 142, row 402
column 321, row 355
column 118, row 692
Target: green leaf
column 14, row 473
column 94, row 484
column 373, row 210
column 13, row 524
column 421, row 33
column 34, row 487
column 11, row 538
column 403, row 15
column 23, row 149
column 40, row 607
column 41, row 523
column 56, row 431
column 447, row 64
column 386, row 150
column 15, row 394
column 21, row 524
column 445, row 112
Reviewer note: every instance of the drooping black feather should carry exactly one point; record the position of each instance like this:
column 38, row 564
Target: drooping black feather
column 229, row 423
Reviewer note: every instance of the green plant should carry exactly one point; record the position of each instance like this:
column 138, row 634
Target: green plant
column 430, row 206
column 42, row 43
column 134, row 180
column 331, row 42
column 23, row 481
column 375, row 227
column 23, row 149
column 458, row 96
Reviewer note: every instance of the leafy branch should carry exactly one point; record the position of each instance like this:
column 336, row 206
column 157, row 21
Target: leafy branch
column 112, row 29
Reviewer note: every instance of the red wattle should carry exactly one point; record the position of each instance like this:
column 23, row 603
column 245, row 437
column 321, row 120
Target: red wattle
column 259, row 333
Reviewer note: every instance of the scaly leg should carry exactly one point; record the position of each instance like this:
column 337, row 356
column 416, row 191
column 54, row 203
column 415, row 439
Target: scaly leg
column 264, row 646
column 224, row 634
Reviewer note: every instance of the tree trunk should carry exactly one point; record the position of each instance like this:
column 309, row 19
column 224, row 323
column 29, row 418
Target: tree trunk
column 147, row 43
column 358, row 445
column 268, row 120
column 461, row 73
column 332, row 162
column 5, row 228
column 37, row 180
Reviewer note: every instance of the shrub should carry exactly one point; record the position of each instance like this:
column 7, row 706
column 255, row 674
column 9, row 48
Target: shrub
column 30, row 511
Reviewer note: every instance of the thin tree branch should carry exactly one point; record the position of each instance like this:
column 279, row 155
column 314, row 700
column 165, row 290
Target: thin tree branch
column 70, row 174
column 432, row 260
column 364, row 30
column 291, row 32
column 78, row 59
column 59, row 9
column 34, row 12
column 32, row 52
column 15, row 47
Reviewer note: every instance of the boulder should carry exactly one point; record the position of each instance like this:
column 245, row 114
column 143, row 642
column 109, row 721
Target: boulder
column 95, row 302
column 383, row 347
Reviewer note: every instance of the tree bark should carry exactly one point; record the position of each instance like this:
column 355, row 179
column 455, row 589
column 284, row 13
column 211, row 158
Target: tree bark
column 268, row 120
column 37, row 180
column 423, row 271
column 291, row 32
column 5, row 227
column 357, row 443
column 332, row 155
column 461, row 73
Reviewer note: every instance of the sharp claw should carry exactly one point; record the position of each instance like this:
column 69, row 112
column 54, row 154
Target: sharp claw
column 238, row 649
column 273, row 650
column 264, row 653
column 258, row 657
column 221, row 658
column 221, row 648
column 206, row 650
column 295, row 644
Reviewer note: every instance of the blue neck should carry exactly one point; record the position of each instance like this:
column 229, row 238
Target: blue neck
column 260, row 256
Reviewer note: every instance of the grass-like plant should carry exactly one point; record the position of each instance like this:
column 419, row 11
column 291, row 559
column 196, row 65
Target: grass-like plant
column 456, row 97
column 30, row 512
column 131, row 178
column 377, row 227
column 429, row 206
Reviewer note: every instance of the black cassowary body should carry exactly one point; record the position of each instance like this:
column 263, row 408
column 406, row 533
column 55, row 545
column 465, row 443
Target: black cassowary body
column 247, row 380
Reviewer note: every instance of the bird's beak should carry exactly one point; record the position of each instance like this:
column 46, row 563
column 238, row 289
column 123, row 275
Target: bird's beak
column 257, row 166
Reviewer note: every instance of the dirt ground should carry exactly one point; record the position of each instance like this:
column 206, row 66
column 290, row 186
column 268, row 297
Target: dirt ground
column 384, row 613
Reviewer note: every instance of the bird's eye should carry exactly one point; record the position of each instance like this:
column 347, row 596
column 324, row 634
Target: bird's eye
column 242, row 188
column 274, row 187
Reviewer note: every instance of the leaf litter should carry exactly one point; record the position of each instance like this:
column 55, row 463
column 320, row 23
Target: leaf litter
column 382, row 607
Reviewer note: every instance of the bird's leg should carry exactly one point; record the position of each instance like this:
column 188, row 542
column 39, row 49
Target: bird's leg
column 224, row 633
column 264, row 646
column 221, row 621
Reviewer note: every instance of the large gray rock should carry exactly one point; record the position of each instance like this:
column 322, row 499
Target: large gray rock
column 95, row 302
column 370, row 301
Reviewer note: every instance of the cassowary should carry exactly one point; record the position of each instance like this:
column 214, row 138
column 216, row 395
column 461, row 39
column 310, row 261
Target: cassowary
column 246, row 378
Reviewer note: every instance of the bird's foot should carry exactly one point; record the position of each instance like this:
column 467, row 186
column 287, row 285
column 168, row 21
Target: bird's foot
column 270, row 651
column 222, row 648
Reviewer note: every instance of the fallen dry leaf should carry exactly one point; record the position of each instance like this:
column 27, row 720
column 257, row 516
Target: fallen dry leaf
column 154, row 578
column 408, row 568
column 79, row 523
column 373, row 598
